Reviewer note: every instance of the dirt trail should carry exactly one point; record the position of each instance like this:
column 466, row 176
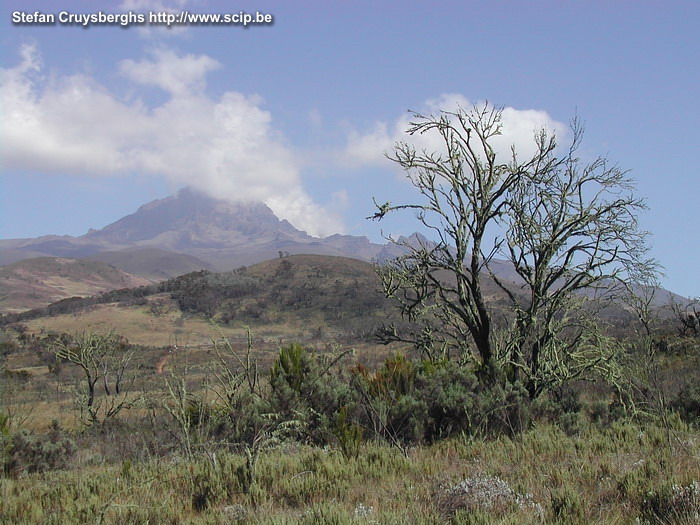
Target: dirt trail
column 160, row 365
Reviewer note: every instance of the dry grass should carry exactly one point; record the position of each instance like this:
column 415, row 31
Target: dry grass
column 601, row 477
column 141, row 327
column 33, row 283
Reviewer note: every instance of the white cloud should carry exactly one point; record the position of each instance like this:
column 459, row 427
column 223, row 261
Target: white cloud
column 518, row 127
column 369, row 148
column 225, row 147
column 340, row 199
column 175, row 74
column 298, row 208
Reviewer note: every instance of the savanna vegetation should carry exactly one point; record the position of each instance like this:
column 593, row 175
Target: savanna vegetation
column 317, row 436
column 563, row 396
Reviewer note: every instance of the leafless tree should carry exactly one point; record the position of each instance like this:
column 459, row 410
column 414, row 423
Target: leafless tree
column 688, row 315
column 568, row 228
column 108, row 372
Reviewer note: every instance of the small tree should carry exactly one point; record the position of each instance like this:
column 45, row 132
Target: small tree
column 688, row 316
column 105, row 360
column 563, row 226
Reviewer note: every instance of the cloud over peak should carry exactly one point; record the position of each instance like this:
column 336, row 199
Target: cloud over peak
column 224, row 146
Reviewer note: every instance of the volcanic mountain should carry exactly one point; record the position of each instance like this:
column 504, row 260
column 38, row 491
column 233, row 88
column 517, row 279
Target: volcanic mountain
column 183, row 233
column 213, row 234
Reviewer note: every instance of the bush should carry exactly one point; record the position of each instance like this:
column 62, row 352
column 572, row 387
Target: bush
column 484, row 494
column 450, row 394
column 431, row 401
column 672, row 504
column 7, row 348
column 687, row 403
column 243, row 418
column 348, row 434
column 305, row 392
column 38, row 453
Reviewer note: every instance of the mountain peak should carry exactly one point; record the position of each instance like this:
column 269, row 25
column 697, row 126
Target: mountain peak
column 193, row 218
column 222, row 234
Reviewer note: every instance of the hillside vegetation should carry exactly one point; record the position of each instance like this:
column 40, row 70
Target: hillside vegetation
column 236, row 434
column 328, row 293
column 286, row 410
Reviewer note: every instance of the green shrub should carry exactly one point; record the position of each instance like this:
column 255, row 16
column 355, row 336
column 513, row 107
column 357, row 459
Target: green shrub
column 38, row 453
column 431, row 401
column 552, row 405
column 566, row 398
column 306, row 392
column 243, row 416
column 687, row 403
column 449, row 392
column 460, row 404
column 198, row 413
column 572, row 423
column 292, row 368
column 348, row 434
column 599, row 412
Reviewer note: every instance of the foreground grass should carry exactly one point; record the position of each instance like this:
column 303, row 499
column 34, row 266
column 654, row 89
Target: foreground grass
column 602, row 475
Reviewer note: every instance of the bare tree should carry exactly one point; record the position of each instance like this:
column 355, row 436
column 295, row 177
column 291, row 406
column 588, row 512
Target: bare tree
column 688, row 315
column 572, row 228
column 108, row 373
column 465, row 192
column 566, row 227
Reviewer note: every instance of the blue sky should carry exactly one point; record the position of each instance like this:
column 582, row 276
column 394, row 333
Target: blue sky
column 98, row 121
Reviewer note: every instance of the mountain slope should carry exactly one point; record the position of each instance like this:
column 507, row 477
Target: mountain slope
column 309, row 294
column 153, row 264
column 190, row 231
column 300, row 293
column 222, row 234
column 34, row 283
column 191, row 220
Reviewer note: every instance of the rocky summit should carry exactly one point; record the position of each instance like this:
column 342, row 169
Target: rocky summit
column 222, row 235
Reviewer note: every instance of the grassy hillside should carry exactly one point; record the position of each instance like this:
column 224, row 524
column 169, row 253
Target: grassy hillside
column 152, row 263
column 339, row 446
column 297, row 295
column 37, row 282
column 622, row 475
